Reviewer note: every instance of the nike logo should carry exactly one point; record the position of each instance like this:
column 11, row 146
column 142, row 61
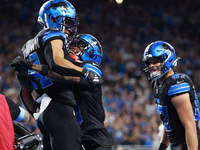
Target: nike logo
column 178, row 82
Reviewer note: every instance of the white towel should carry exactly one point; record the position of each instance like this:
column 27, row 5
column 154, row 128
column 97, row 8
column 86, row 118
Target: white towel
column 44, row 100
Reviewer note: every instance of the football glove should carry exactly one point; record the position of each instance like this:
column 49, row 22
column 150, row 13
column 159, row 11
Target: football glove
column 93, row 78
column 19, row 63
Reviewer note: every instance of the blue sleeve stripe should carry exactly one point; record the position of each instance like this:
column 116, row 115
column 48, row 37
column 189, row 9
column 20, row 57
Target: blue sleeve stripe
column 157, row 100
column 21, row 114
column 92, row 68
column 51, row 34
column 178, row 88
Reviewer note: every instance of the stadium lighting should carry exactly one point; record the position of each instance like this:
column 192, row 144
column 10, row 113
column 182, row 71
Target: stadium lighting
column 119, row 1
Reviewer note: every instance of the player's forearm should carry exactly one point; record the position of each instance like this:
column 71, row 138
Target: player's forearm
column 58, row 68
column 191, row 138
column 26, row 116
column 53, row 75
column 42, row 69
column 37, row 68
column 54, row 56
column 27, row 99
column 67, row 64
column 60, row 78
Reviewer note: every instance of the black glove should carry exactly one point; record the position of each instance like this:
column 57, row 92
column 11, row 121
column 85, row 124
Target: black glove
column 21, row 66
column 19, row 63
column 97, row 82
column 89, row 75
column 94, row 79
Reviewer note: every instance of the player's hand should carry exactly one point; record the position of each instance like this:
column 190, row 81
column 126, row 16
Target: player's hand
column 97, row 82
column 94, row 79
column 89, row 75
column 19, row 63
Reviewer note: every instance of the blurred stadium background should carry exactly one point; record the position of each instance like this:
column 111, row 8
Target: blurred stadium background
column 124, row 30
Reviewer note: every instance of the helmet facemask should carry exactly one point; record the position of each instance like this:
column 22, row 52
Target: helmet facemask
column 90, row 48
column 154, row 72
column 163, row 51
column 76, row 42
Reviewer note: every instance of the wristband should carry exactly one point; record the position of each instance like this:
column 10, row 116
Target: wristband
column 21, row 114
column 162, row 146
column 45, row 70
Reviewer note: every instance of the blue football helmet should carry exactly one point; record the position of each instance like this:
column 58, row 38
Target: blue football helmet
column 59, row 14
column 91, row 49
column 165, row 52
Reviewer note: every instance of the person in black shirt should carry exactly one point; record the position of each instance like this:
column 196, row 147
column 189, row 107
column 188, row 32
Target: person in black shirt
column 175, row 96
column 57, row 121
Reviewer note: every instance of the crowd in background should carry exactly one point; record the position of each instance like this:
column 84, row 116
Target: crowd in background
column 124, row 31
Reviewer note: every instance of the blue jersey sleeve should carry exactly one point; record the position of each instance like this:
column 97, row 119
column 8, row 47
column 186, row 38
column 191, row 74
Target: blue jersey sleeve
column 51, row 35
column 178, row 88
column 93, row 68
column 179, row 83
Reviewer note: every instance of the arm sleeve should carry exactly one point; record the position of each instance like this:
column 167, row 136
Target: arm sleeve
column 14, row 109
column 56, row 68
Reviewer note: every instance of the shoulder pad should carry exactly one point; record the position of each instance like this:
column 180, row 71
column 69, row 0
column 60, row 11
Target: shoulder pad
column 51, row 35
column 93, row 67
column 178, row 84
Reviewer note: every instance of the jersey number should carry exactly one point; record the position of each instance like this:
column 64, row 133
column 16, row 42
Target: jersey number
column 164, row 115
column 38, row 81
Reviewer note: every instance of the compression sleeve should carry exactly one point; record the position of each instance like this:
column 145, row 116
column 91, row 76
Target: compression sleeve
column 21, row 114
column 56, row 68
column 14, row 109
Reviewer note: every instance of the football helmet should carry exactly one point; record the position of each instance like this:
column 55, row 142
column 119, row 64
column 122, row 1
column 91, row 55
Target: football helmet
column 165, row 52
column 59, row 14
column 91, row 49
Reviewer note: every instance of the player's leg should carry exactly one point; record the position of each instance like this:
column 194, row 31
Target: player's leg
column 63, row 127
column 97, row 139
column 45, row 134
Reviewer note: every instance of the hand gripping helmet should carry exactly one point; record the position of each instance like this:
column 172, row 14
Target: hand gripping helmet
column 59, row 14
column 91, row 49
column 163, row 50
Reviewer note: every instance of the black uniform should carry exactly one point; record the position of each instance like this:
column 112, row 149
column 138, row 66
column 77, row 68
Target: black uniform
column 176, row 84
column 94, row 134
column 57, row 123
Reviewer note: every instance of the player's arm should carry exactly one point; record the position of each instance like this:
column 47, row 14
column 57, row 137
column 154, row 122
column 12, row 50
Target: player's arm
column 28, row 101
column 54, row 55
column 45, row 70
column 164, row 141
column 17, row 113
column 184, row 109
column 57, row 77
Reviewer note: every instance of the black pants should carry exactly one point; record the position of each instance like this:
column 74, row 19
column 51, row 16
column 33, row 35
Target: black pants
column 96, row 139
column 59, row 127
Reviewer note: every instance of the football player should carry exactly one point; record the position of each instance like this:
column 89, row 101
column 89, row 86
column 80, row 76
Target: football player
column 175, row 96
